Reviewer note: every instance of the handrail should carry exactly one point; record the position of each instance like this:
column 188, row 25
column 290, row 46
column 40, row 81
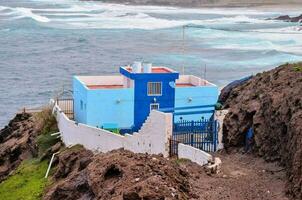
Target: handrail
column 185, row 108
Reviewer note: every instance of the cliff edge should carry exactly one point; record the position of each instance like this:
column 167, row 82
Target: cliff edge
column 270, row 103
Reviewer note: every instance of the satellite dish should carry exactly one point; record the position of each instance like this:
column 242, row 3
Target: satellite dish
column 172, row 84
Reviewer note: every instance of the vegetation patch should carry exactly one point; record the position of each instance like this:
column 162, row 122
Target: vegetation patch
column 181, row 161
column 27, row 182
column 46, row 141
column 47, row 125
column 297, row 67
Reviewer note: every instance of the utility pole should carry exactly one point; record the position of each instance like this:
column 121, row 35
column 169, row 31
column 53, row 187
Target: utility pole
column 183, row 48
column 205, row 74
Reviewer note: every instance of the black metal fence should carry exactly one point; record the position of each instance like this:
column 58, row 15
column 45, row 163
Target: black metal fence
column 200, row 134
column 173, row 148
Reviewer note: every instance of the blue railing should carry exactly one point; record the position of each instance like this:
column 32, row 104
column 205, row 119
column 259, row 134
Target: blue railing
column 201, row 134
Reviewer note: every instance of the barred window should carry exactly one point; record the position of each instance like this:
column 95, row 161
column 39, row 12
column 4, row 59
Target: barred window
column 154, row 106
column 154, row 88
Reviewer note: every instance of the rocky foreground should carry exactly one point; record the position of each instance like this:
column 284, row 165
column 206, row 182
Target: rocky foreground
column 270, row 103
column 124, row 175
column 77, row 173
column 117, row 175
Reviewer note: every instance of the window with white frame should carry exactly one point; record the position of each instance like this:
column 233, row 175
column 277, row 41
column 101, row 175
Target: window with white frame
column 154, row 88
column 154, row 106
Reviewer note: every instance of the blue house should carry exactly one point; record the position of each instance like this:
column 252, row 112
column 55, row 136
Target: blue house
column 124, row 101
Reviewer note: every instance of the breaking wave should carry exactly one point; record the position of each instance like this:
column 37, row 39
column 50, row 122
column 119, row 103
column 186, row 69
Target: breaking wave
column 20, row 12
column 71, row 15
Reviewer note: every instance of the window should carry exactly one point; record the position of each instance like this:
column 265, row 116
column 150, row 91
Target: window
column 81, row 102
column 154, row 106
column 154, row 89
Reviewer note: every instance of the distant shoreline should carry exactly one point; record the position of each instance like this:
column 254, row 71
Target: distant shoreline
column 203, row 3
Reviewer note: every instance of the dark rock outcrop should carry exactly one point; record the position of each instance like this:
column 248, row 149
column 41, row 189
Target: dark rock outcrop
column 17, row 143
column 287, row 18
column 118, row 174
column 203, row 3
column 271, row 103
column 225, row 92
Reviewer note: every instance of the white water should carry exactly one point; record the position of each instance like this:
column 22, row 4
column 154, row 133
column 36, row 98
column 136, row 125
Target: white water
column 78, row 15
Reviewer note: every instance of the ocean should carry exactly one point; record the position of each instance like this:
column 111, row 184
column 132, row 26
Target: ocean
column 43, row 43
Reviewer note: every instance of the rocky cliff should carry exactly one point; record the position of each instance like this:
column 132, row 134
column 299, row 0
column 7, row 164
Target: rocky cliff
column 270, row 103
column 17, row 141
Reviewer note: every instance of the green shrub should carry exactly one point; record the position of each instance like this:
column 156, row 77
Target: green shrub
column 297, row 67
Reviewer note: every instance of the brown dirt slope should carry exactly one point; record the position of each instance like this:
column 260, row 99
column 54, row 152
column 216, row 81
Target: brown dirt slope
column 271, row 102
column 124, row 175
column 117, row 175
column 242, row 177
column 17, row 142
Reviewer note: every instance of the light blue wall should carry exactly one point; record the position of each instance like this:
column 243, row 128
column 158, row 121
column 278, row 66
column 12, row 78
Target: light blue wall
column 103, row 107
column 116, row 106
column 79, row 94
column 206, row 95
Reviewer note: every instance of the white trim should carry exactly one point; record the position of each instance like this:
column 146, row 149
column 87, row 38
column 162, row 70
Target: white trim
column 161, row 88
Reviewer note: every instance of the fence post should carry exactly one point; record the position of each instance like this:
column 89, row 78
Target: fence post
column 192, row 132
column 215, row 134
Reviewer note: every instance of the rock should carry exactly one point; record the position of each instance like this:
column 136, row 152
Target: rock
column 283, row 18
column 225, row 92
column 55, row 148
column 271, row 103
column 17, row 143
column 118, row 174
column 72, row 161
column 289, row 19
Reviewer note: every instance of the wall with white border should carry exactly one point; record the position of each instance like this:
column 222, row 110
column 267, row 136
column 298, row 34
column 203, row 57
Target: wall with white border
column 153, row 138
column 195, row 155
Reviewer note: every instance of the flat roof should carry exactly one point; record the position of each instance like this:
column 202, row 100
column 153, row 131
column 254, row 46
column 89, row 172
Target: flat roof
column 159, row 70
column 184, row 85
column 95, row 87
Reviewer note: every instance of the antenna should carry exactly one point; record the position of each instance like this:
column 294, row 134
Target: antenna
column 183, row 48
column 205, row 74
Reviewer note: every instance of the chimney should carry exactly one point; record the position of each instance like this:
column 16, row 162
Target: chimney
column 137, row 67
column 147, row 67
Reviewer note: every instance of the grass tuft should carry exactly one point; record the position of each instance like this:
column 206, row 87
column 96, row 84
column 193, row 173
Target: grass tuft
column 181, row 160
column 27, row 182
column 297, row 67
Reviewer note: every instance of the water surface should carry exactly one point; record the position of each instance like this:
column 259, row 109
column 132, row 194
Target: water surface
column 44, row 42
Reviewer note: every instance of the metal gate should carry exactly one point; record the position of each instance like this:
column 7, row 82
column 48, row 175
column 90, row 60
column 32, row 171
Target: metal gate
column 67, row 106
column 201, row 134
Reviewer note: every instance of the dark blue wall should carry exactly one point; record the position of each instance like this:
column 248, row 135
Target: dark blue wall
column 142, row 101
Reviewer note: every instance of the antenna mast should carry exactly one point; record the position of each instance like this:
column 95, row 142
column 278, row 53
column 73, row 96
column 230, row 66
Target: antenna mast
column 183, row 48
column 205, row 73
